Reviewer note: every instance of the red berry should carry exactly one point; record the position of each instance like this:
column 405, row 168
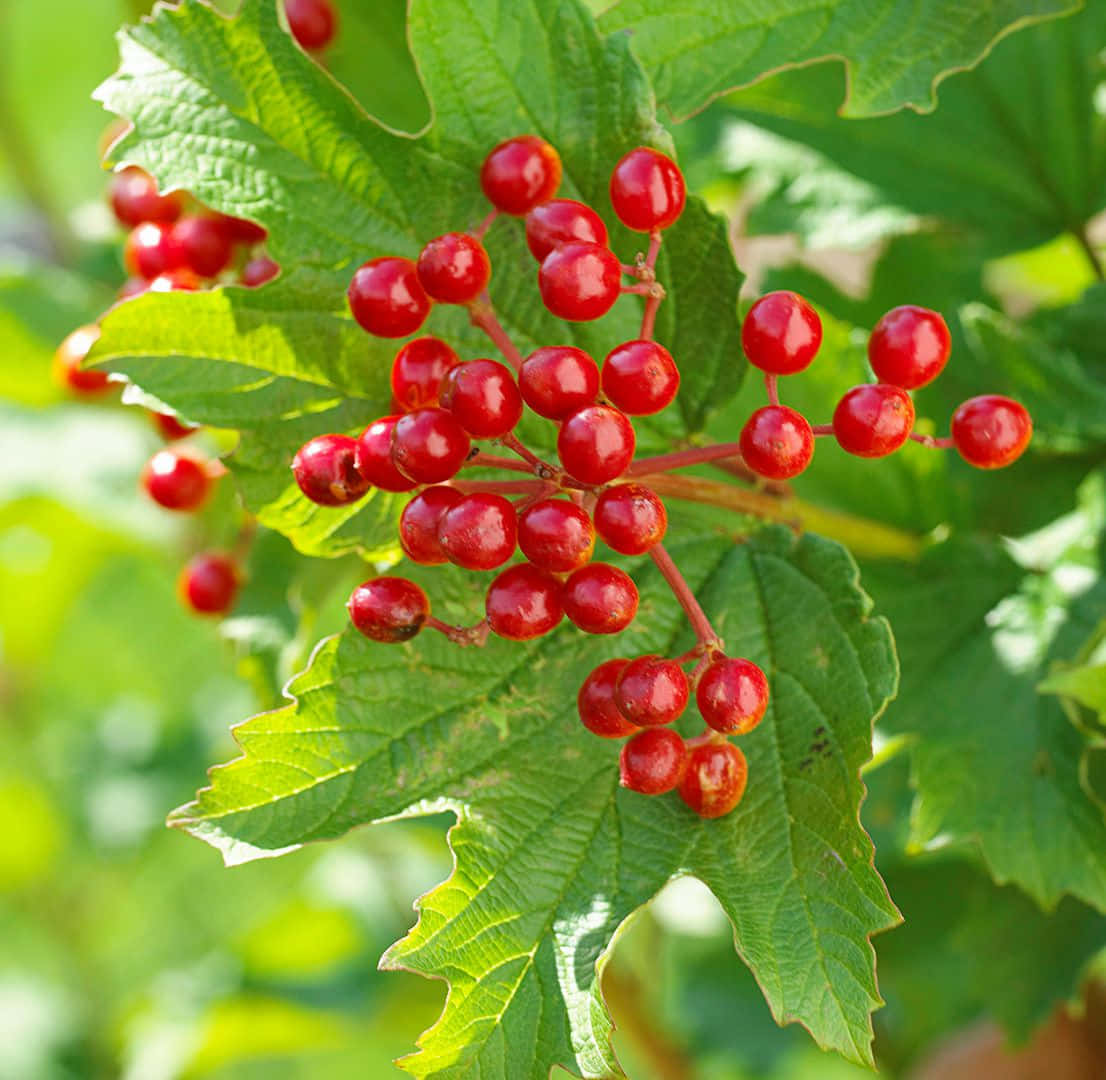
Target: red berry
column 176, row 480
column 374, row 457
column 647, row 190
column 595, row 702
column 418, row 524
column 520, row 173
column 630, row 518
column 561, row 221
column 556, row 535
column 777, row 442
column 652, row 762
column 781, row 334
column 209, row 584
column 417, row 372
column 640, row 377
column 204, row 244
column 170, row 427
column 241, row 230
column 151, row 250
column 454, row 268
column 429, row 445
column 714, row 778
column 652, row 691
column 873, row 420
column 68, row 358
column 313, row 23
column 909, row 347
column 580, row 281
column 600, row 599
column 596, row 444
column 991, row 431
column 479, row 531
column 135, row 198
column 179, row 280
column 259, row 270
column 523, row 602
column 326, row 470
column 732, row 696
column 483, row 396
column 387, row 299
column 388, row 609
column 558, row 380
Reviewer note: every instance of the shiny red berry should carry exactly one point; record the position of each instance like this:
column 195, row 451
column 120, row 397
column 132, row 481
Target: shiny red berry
column 418, row 370
column 242, row 230
column 523, row 602
column 781, row 334
column 479, row 531
column 484, row 397
column 454, row 268
column 873, row 420
column 150, row 250
column 630, row 518
column 520, row 173
column 652, row 691
column 640, row 377
column 204, row 244
column 556, row 535
column 561, row 221
column 909, row 347
column 313, row 23
column 326, row 470
column 387, row 299
column 714, row 778
column 596, row 444
column 652, row 762
column 596, row 705
column 647, row 190
column 418, row 524
column 558, row 380
column 135, row 198
column 777, row 442
column 388, row 609
column 991, row 431
column 732, row 695
column 176, row 480
column 170, row 427
column 258, row 271
column 429, row 445
column 579, row 282
column 600, row 599
column 179, row 280
column 374, row 457
column 68, row 358
column 209, row 584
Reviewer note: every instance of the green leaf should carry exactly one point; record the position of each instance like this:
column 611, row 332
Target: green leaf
column 1085, row 685
column 895, row 54
column 551, row 855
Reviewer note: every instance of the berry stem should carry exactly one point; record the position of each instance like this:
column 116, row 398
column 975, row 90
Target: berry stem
column 460, row 635
column 479, row 232
column 480, row 460
column 503, row 487
column 482, row 314
column 686, row 598
column 931, row 442
column 680, row 459
column 649, row 318
column 772, row 386
column 510, row 440
column 244, row 541
column 641, row 288
column 655, row 238
column 821, row 429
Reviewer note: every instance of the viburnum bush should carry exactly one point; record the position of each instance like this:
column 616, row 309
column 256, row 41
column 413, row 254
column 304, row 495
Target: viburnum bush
column 501, row 360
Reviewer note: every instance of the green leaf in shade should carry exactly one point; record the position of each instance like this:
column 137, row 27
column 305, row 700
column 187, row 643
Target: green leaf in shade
column 551, row 855
column 1085, row 685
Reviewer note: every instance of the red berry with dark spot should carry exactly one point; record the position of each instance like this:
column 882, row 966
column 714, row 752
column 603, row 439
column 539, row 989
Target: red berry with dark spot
column 520, row 173
column 647, row 190
column 596, row 444
column 150, row 250
column 429, row 445
column 732, row 695
column 418, row 524
column 630, row 518
column 596, row 705
column 454, row 268
column 777, row 442
column 640, row 377
column 781, row 334
column 579, row 282
column 313, row 23
column 204, row 243
column 483, row 396
column 556, row 535
column 479, row 531
column 558, row 380
column 652, row 762
column 991, row 431
column 714, row 778
column 388, row 609
column 523, row 602
column 326, row 470
column 135, row 199
column 873, row 420
column 600, row 599
column 176, row 480
column 374, row 457
column 909, row 347
column 387, row 299
column 258, row 271
column 652, row 691
column 418, row 370
column 561, row 221
column 170, row 427
column 209, row 584
column 68, row 358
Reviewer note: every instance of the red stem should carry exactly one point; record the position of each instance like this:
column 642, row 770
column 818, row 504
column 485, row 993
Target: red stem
column 821, row 429
column 501, row 487
column 772, row 385
column 682, row 591
column 641, row 288
column 482, row 314
column 460, row 635
column 490, row 461
column 934, row 444
column 484, row 226
column 679, row 459
column 511, row 441
column 649, row 318
column 655, row 238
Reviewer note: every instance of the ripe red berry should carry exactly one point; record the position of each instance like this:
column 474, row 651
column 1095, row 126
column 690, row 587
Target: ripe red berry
column 596, row 444
column 714, row 778
column 909, row 347
column 991, row 431
column 579, row 282
column 68, row 358
column 781, row 334
column 313, row 23
column 483, row 396
column 179, row 280
column 595, row 702
column 560, row 221
column 558, row 380
column 454, row 268
column 520, row 173
column 873, row 420
column 417, row 372
column 204, row 244
column 652, row 691
column 151, row 250
column 640, row 377
column 600, row 599
column 243, row 231
column 777, row 442
column 647, row 190
column 171, row 427
column 479, row 531
column 732, row 695
column 326, row 470
column 135, row 199
column 523, row 602
column 429, row 445
column 387, row 299
column 176, row 480
column 418, row 524
column 209, row 584
column 388, row 609
column 259, row 270
column 652, row 762
column 556, row 535
column 630, row 518
column 374, row 457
